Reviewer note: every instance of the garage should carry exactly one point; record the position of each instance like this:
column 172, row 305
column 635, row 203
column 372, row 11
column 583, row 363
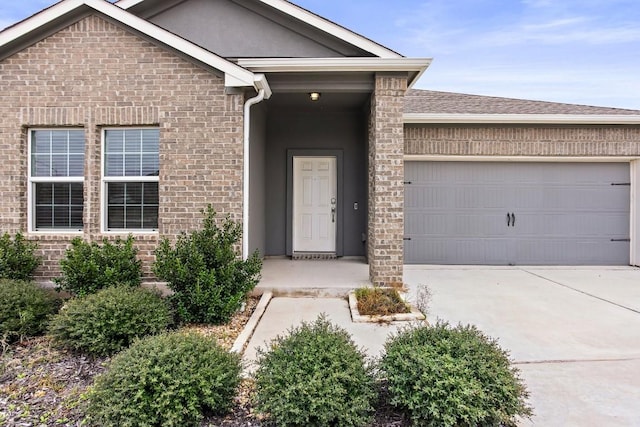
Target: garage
column 517, row 213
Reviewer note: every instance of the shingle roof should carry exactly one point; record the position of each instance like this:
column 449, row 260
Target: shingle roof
column 434, row 102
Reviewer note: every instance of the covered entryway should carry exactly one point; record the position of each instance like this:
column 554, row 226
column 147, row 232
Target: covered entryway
column 517, row 213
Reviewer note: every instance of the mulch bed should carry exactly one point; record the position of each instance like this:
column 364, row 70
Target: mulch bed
column 42, row 385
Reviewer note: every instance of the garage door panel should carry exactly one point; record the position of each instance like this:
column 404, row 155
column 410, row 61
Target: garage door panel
column 565, row 213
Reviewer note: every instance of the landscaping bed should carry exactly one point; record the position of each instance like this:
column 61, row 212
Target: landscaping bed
column 43, row 385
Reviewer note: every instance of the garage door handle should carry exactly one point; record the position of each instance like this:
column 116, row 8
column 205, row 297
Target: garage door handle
column 508, row 219
column 513, row 219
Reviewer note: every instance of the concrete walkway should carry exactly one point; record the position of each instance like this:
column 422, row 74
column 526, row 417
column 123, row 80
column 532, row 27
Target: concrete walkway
column 573, row 332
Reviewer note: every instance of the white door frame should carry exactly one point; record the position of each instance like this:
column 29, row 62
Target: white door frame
column 315, row 203
column 339, row 155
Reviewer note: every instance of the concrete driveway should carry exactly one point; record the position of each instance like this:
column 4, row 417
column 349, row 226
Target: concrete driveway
column 573, row 332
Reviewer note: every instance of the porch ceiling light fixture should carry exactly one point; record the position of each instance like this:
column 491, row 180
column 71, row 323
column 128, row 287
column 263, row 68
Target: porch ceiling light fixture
column 314, row 96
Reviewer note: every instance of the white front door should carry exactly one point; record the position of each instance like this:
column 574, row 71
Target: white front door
column 315, row 207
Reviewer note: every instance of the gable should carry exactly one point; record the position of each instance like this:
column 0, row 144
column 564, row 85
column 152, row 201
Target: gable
column 245, row 29
column 58, row 16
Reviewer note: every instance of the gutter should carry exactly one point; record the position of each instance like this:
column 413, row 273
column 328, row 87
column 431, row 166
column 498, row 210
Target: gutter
column 549, row 119
column 264, row 92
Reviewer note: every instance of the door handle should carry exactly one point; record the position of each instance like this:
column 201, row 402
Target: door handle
column 508, row 220
column 513, row 219
column 333, row 214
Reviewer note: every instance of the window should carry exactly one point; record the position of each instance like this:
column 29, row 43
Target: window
column 131, row 169
column 56, row 177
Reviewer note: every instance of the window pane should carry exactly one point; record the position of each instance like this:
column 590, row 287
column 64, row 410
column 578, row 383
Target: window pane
column 77, row 196
column 76, row 142
column 40, row 141
column 151, row 193
column 134, row 217
column 150, row 165
column 44, row 217
column 132, row 140
column 132, row 205
column 76, row 165
column 114, row 165
column 115, row 217
column 61, row 194
column 132, row 165
column 115, row 192
column 44, row 194
column 76, row 217
column 150, row 219
column 151, row 140
column 58, row 205
column 59, row 165
column 61, row 216
column 137, row 148
column 40, row 165
column 114, row 141
column 57, row 153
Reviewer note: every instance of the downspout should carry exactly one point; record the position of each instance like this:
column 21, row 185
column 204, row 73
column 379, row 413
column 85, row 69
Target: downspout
column 245, row 178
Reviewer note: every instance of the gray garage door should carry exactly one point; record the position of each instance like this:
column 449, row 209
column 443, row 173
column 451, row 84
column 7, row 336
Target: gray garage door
column 517, row 213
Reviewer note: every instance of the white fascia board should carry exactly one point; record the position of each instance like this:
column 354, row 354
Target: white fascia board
column 560, row 119
column 315, row 21
column 293, row 65
column 236, row 75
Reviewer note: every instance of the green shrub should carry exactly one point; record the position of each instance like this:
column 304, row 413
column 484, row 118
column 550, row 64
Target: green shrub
column 315, row 376
column 109, row 320
column 24, row 309
column 89, row 267
column 210, row 281
column 17, row 257
column 445, row 376
column 166, row 380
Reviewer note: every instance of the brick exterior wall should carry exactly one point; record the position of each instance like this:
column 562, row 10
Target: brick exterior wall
column 386, row 177
column 94, row 74
column 522, row 140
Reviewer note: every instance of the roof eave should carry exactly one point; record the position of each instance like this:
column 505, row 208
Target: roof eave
column 559, row 119
column 415, row 67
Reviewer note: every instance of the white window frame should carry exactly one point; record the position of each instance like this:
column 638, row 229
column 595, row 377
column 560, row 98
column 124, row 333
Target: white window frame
column 105, row 180
column 33, row 180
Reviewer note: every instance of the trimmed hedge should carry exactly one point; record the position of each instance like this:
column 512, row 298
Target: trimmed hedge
column 17, row 257
column 110, row 320
column 25, row 309
column 315, row 376
column 89, row 267
column 452, row 376
column 167, row 380
column 209, row 278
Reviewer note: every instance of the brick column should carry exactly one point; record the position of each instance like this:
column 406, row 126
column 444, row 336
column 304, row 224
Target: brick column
column 386, row 180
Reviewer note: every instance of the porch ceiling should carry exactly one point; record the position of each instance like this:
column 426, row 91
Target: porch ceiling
column 328, row 100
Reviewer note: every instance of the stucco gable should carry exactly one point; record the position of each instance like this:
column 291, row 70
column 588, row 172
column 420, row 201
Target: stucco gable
column 256, row 28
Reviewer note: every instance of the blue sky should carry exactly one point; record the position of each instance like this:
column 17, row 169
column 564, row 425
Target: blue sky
column 575, row 51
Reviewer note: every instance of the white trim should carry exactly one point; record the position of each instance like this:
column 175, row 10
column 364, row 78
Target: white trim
column 31, row 180
column 316, row 21
column 529, row 159
column 634, row 214
column 590, row 119
column 235, row 76
column 104, row 180
column 314, row 65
